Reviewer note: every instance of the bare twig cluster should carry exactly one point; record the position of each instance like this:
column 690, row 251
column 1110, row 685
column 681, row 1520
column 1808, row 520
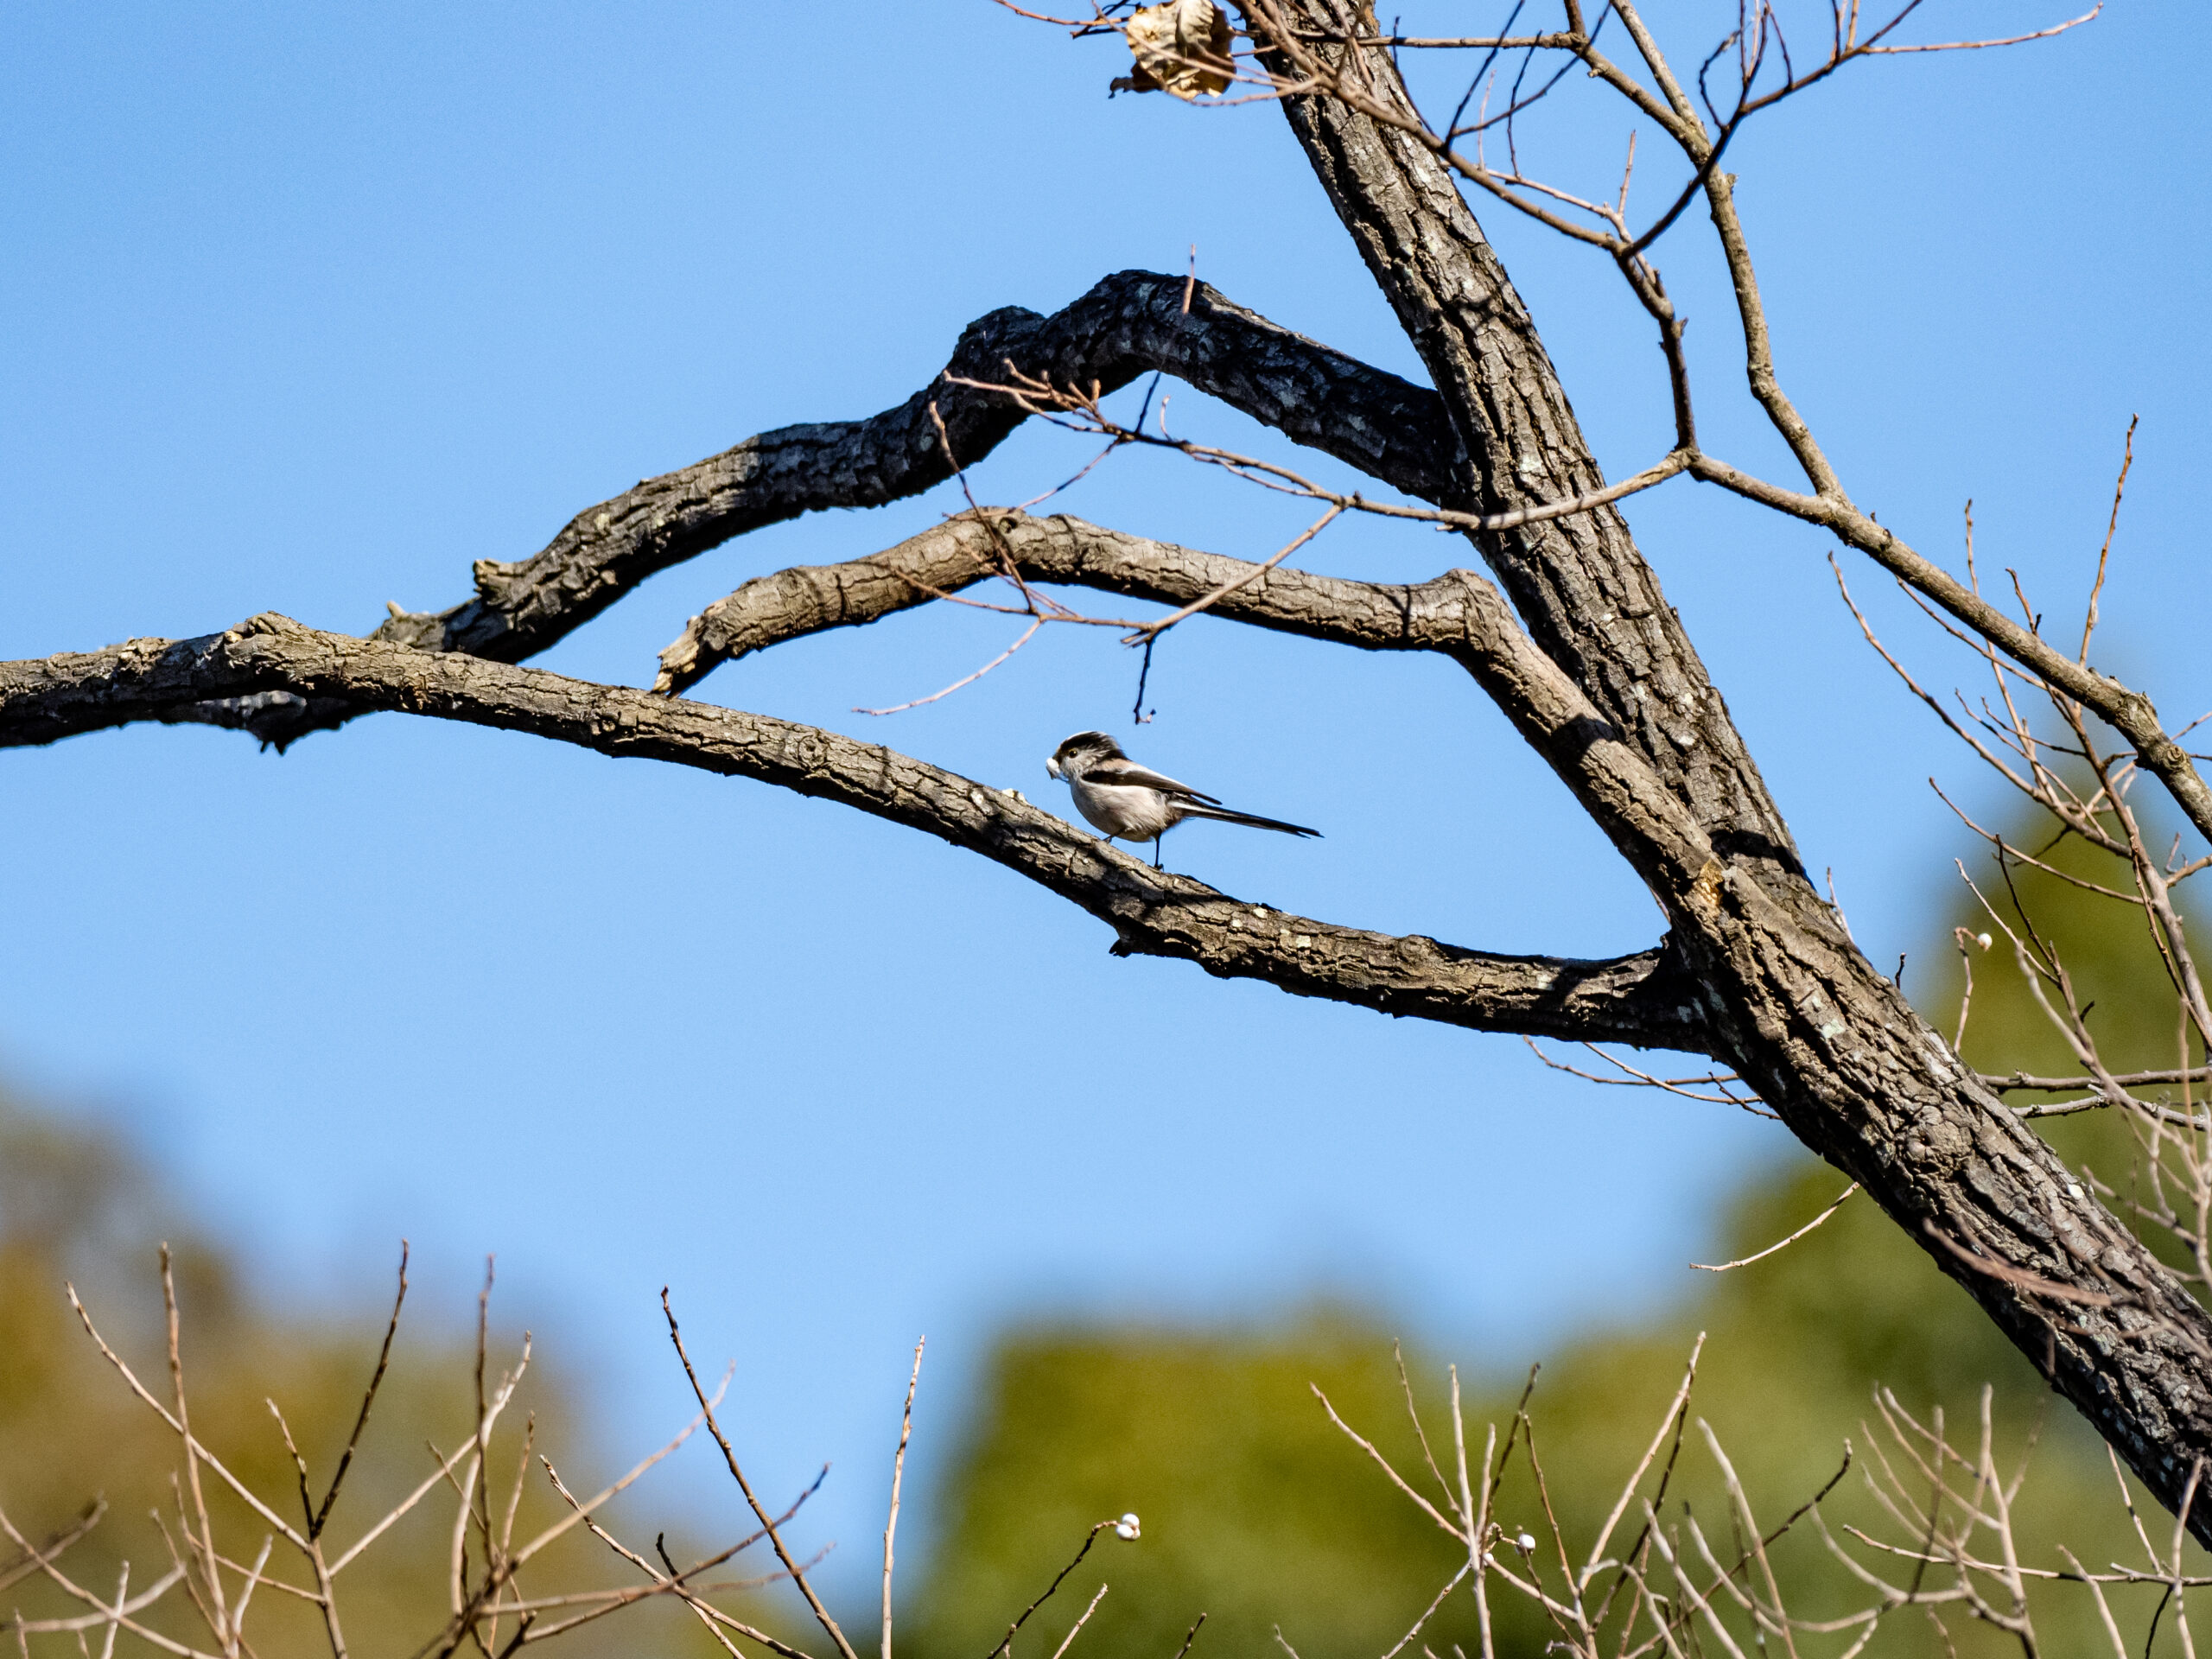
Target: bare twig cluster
column 2077, row 784
column 1652, row 1578
column 490, row 1612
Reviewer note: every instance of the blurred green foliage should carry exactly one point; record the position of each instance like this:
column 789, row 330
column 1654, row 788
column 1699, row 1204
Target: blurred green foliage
column 77, row 1206
column 1256, row 1509
column 1258, row 1512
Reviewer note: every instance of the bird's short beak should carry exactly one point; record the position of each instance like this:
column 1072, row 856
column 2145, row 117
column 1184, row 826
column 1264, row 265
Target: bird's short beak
column 1051, row 768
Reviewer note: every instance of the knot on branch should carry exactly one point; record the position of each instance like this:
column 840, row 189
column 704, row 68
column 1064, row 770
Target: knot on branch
column 494, row 581
column 266, row 625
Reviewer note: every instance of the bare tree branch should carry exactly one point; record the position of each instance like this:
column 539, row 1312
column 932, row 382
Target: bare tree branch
column 1129, row 324
column 1633, row 1000
column 2129, row 712
column 1459, row 614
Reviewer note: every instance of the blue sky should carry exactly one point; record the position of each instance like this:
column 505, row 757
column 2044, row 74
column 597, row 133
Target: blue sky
column 307, row 308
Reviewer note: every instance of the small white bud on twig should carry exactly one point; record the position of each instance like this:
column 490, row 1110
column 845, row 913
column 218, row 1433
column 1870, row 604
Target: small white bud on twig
column 1127, row 1529
column 1984, row 940
column 1524, row 1542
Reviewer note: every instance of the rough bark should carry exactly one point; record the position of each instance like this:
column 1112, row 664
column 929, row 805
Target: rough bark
column 1638, row 999
column 1828, row 1041
column 1132, row 323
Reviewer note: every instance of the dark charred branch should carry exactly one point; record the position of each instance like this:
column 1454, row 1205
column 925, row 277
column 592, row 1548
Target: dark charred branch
column 1132, row 323
column 1823, row 1036
column 1639, row 1000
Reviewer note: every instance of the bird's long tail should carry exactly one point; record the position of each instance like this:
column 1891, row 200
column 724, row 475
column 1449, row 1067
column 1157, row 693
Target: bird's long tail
column 1226, row 814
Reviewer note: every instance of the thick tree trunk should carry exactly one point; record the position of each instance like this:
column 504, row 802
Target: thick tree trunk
column 1799, row 1012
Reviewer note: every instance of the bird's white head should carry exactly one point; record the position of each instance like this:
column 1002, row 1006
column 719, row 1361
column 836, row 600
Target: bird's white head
column 1077, row 754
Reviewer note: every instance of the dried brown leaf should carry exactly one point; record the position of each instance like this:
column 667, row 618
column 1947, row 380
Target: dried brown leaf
column 1181, row 47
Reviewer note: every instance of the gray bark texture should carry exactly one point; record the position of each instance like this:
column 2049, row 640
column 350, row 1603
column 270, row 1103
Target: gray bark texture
column 1574, row 640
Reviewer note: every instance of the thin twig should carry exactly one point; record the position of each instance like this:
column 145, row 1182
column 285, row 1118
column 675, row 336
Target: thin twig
column 1761, row 1255
column 1089, row 1539
column 898, row 1473
column 321, row 1517
column 1076, row 1629
column 729, row 1456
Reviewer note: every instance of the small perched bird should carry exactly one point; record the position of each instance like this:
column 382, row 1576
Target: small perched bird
column 1135, row 803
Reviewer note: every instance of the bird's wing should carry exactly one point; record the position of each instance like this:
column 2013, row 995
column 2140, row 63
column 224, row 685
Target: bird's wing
column 1126, row 772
